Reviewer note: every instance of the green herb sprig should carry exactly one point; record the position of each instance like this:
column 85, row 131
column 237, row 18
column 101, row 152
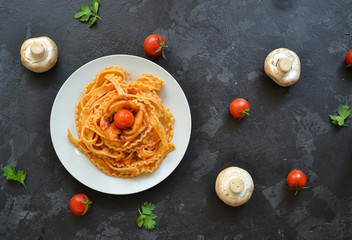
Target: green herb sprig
column 86, row 13
column 11, row 174
column 146, row 216
column 343, row 112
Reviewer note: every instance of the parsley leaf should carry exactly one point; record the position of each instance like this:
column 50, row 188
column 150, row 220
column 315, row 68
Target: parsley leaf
column 86, row 13
column 149, row 222
column 95, row 6
column 343, row 112
column 11, row 174
column 146, row 216
column 147, row 208
column 140, row 220
column 92, row 21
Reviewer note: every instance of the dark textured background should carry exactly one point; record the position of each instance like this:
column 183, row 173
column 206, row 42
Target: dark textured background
column 216, row 53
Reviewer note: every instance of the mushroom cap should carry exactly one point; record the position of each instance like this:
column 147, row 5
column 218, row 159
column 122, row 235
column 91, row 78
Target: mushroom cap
column 234, row 186
column 283, row 66
column 39, row 54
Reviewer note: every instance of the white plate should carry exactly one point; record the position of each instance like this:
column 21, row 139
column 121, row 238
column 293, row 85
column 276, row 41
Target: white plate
column 63, row 118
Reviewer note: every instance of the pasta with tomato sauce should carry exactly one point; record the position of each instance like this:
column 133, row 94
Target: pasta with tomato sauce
column 123, row 152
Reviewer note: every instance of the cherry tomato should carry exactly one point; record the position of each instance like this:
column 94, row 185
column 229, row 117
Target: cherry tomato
column 349, row 58
column 296, row 180
column 123, row 118
column 154, row 45
column 239, row 108
column 80, row 204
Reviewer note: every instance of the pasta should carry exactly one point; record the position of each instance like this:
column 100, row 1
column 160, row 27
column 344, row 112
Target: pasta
column 123, row 152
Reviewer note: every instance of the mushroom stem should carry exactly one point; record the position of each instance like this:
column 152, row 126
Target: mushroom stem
column 236, row 185
column 284, row 64
column 37, row 49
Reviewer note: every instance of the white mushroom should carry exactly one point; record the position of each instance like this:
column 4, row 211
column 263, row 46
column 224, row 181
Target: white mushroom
column 39, row 54
column 283, row 66
column 234, row 186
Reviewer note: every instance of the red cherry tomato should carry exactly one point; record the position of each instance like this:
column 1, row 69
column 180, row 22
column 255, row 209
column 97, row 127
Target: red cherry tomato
column 239, row 108
column 123, row 118
column 154, row 45
column 349, row 58
column 296, row 180
column 80, row 204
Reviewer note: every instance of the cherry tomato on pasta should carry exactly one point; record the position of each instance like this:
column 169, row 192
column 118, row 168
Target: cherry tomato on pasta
column 349, row 58
column 123, row 118
column 239, row 108
column 80, row 204
column 154, row 45
column 296, row 180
